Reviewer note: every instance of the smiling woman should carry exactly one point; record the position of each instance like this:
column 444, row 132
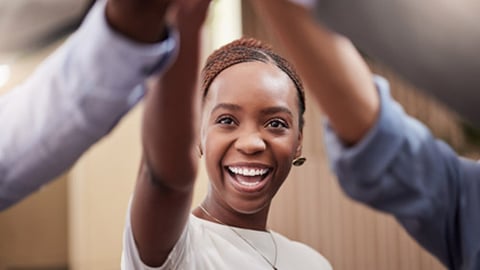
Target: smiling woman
column 246, row 135
column 250, row 133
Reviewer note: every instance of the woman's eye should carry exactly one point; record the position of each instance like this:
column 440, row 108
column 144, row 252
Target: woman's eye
column 225, row 121
column 277, row 124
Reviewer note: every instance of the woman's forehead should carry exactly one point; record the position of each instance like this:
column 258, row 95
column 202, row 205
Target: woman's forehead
column 252, row 86
column 256, row 78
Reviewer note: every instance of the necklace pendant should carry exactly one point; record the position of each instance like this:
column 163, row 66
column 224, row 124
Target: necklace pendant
column 275, row 268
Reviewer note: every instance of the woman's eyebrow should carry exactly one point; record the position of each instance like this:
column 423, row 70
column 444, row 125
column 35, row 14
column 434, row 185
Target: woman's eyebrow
column 265, row 111
column 227, row 106
column 276, row 109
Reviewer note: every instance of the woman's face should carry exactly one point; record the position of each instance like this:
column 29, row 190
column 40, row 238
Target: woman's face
column 250, row 135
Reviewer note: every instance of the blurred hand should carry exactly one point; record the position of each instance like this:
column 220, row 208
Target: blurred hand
column 139, row 20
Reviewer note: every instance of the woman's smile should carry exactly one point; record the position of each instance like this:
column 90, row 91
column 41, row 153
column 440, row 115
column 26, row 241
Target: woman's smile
column 246, row 178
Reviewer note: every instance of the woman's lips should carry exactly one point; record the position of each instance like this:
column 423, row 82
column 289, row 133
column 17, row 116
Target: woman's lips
column 248, row 179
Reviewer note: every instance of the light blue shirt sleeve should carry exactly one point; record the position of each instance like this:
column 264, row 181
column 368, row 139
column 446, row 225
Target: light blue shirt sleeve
column 378, row 170
column 400, row 168
column 71, row 101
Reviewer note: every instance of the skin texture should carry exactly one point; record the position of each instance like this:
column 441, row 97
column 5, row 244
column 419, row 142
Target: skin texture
column 241, row 132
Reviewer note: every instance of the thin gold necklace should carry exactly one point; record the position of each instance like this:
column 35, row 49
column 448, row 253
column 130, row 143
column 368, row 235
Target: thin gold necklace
column 273, row 265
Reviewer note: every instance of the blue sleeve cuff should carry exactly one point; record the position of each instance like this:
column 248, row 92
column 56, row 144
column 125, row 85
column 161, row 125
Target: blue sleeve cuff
column 371, row 156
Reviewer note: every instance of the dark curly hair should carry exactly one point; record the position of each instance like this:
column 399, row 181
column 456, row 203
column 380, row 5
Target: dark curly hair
column 249, row 50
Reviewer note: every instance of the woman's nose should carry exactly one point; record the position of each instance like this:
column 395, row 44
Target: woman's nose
column 250, row 143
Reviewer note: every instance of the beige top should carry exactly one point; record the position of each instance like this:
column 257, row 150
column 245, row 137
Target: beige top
column 205, row 245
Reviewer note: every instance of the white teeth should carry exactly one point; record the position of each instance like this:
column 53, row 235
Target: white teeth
column 248, row 171
column 248, row 184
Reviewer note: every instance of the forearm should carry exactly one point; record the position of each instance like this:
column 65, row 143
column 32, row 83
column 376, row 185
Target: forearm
column 332, row 69
column 169, row 132
column 170, row 119
column 164, row 188
column 170, row 124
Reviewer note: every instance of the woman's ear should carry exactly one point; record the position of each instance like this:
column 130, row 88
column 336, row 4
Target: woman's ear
column 299, row 160
column 202, row 135
column 298, row 152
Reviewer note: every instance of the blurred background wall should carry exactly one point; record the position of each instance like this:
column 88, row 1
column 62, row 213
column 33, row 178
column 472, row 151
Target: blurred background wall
column 76, row 222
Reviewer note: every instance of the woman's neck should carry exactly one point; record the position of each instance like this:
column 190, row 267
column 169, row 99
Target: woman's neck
column 230, row 217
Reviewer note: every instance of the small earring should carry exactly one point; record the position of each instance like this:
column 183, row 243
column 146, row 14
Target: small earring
column 299, row 161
